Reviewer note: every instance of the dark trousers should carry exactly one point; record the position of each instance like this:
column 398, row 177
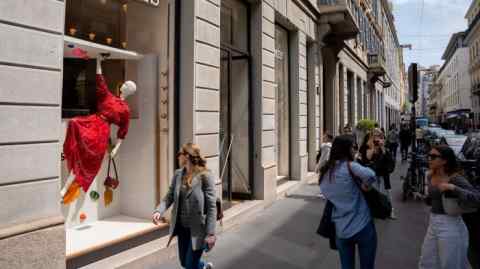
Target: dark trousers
column 393, row 147
column 404, row 150
column 366, row 240
column 189, row 258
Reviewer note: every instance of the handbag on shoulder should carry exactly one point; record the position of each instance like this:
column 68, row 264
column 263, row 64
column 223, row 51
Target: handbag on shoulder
column 379, row 204
column 326, row 228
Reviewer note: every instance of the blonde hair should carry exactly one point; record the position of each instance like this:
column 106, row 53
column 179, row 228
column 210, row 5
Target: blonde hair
column 193, row 154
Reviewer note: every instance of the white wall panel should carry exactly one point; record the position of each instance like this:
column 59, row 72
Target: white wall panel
column 28, row 162
column 27, row 123
column 43, row 14
column 24, row 85
column 30, row 47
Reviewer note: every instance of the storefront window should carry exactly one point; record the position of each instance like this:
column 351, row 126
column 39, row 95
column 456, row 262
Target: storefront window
column 135, row 37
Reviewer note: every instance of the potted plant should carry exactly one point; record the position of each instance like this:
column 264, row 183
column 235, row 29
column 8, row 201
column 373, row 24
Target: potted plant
column 363, row 127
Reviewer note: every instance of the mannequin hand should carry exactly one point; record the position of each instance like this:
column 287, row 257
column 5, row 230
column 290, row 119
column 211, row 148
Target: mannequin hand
column 114, row 151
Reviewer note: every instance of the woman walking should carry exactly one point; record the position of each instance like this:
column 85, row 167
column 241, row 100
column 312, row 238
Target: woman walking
column 192, row 194
column 353, row 223
column 446, row 242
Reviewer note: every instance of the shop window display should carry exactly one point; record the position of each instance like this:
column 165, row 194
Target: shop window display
column 106, row 200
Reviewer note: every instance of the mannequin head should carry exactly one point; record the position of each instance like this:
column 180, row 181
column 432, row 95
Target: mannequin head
column 128, row 88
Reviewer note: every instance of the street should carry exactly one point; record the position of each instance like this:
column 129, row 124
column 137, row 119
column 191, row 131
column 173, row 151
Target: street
column 283, row 235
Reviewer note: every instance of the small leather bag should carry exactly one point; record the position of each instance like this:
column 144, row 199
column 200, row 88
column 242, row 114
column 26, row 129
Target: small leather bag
column 110, row 183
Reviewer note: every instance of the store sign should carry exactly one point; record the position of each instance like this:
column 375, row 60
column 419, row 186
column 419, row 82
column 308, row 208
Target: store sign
column 154, row 3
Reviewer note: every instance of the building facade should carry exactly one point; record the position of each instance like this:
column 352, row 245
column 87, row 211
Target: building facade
column 451, row 94
column 472, row 40
column 254, row 83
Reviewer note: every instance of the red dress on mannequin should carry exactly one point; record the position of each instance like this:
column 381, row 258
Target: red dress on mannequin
column 87, row 136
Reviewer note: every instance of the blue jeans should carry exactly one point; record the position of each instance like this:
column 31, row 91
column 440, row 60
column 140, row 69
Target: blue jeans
column 446, row 244
column 366, row 240
column 189, row 258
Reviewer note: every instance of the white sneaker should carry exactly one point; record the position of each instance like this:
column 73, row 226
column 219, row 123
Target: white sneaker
column 208, row 265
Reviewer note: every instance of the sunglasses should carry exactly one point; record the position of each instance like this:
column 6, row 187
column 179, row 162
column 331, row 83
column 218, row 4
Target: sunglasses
column 181, row 153
column 434, row 156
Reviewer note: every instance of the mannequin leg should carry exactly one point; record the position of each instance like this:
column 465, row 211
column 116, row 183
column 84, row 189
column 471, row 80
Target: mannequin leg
column 68, row 182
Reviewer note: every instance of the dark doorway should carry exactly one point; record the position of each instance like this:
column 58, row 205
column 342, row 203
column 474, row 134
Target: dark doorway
column 235, row 148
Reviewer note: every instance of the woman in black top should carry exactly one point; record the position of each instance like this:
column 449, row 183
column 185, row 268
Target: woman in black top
column 446, row 242
column 373, row 154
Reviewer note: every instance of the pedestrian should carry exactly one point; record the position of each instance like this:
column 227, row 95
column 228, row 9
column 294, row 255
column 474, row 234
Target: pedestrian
column 354, row 225
column 374, row 155
column 324, row 153
column 405, row 140
column 193, row 218
column 347, row 130
column 446, row 241
column 393, row 141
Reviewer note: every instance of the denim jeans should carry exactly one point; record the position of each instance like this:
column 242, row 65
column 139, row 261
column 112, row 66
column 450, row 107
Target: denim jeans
column 366, row 240
column 446, row 244
column 189, row 258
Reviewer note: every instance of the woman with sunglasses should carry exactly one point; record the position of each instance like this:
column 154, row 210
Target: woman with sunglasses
column 353, row 223
column 193, row 219
column 446, row 242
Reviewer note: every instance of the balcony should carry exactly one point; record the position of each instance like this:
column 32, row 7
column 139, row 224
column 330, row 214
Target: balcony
column 376, row 65
column 338, row 14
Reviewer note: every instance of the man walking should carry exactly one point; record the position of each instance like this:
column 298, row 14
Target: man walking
column 405, row 140
column 392, row 141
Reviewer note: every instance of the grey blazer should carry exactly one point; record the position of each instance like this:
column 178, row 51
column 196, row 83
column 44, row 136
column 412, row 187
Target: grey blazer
column 201, row 202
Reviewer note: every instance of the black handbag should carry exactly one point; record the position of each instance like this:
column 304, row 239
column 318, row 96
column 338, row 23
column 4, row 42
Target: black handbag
column 379, row 204
column 326, row 228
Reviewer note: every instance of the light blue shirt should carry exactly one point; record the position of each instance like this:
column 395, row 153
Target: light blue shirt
column 350, row 210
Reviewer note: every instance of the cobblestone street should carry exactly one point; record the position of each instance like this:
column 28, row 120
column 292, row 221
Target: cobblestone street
column 283, row 235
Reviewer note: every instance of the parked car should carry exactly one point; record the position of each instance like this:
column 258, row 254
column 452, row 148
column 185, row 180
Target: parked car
column 455, row 141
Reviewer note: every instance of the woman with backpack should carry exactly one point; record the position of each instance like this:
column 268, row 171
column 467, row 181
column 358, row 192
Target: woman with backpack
column 446, row 243
column 354, row 225
column 194, row 214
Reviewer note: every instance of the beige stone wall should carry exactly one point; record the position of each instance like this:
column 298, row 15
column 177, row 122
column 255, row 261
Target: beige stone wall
column 30, row 95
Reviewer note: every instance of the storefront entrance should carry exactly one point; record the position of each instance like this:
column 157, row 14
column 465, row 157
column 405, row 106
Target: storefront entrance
column 282, row 120
column 235, row 146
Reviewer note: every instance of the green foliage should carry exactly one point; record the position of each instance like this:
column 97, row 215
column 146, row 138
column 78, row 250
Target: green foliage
column 366, row 125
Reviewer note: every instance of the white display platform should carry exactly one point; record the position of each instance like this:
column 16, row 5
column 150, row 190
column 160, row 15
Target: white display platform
column 82, row 239
column 94, row 49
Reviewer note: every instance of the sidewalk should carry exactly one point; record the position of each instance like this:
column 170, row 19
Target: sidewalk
column 283, row 235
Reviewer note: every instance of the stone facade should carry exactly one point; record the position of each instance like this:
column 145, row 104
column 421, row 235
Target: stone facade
column 336, row 56
column 31, row 74
column 472, row 39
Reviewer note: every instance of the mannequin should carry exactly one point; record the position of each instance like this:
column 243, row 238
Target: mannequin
column 120, row 116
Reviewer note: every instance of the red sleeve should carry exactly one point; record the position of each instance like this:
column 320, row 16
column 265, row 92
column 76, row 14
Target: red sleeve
column 102, row 88
column 123, row 126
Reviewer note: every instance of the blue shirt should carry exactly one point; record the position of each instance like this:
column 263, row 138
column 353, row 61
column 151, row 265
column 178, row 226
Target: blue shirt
column 350, row 210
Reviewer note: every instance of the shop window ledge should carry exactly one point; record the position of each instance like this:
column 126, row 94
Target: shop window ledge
column 93, row 50
column 89, row 237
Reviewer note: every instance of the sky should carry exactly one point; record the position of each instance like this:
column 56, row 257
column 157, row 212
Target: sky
column 428, row 26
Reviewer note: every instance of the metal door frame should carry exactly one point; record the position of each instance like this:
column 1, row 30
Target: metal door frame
column 244, row 55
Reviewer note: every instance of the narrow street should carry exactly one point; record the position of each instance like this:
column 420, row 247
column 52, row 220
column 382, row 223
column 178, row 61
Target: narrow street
column 283, row 235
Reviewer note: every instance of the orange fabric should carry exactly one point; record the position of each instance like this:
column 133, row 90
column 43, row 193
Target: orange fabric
column 108, row 196
column 72, row 193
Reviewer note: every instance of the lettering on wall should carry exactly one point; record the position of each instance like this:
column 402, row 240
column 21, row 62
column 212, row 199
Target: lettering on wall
column 154, row 3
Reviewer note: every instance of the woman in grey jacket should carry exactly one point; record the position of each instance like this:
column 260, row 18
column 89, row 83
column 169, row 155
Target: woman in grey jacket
column 193, row 220
column 446, row 242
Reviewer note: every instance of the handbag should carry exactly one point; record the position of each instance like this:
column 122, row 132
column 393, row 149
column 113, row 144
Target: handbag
column 110, row 183
column 379, row 204
column 326, row 228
